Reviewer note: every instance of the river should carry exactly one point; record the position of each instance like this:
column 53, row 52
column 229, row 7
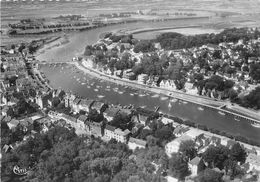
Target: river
column 69, row 79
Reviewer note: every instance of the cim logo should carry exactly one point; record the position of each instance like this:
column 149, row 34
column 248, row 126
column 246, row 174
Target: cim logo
column 19, row 171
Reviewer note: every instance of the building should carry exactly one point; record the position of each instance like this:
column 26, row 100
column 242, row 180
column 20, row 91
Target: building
column 128, row 74
column 4, row 110
column 116, row 133
column 85, row 104
column 110, row 113
column 142, row 119
column 142, row 78
column 118, row 73
column 196, row 165
column 174, row 145
column 75, row 105
column 109, row 132
column 180, row 130
column 96, row 129
column 121, row 136
column 69, row 98
column 12, row 124
column 82, row 119
column 99, row 106
column 194, row 133
column 254, row 162
column 134, row 143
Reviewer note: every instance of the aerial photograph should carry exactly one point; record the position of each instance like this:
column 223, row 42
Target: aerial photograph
column 130, row 90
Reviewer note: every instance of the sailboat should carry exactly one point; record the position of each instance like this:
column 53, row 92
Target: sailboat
column 169, row 105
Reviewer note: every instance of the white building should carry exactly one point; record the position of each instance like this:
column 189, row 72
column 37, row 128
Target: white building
column 142, row 78
column 173, row 146
column 254, row 162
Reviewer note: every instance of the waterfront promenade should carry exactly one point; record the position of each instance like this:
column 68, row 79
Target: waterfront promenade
column 199, row 100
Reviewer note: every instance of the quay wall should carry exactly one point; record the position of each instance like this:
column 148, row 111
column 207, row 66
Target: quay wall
column 199, row 100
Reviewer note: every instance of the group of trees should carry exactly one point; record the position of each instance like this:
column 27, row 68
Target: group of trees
column 60, row 155
column 252, row 100
column 144, row 46
column 215, row 83
column 122, row 121
column 173, row 40
column 225, row 158
column 156, row 133
column 22, row 108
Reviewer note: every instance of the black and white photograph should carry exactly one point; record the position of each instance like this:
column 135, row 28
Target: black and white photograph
column 130, row 90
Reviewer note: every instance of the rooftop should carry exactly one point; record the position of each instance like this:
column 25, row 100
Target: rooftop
column 109, row 127
column 195, row 161
column 82, row 118
column 137, row 141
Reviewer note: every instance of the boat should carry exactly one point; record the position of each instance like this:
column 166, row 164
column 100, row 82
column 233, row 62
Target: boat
column 131, row 94
column 155, row 96
column 83, row 83
column 169, row 105
column 222, row 113
column 184, row 102
column 96, row 90
column 174, row 100
column 141, row 95
column 256, row 125
column 237, row 119
column 201, row 108
column 163, row 98
column 120, row 92
column 100, row 96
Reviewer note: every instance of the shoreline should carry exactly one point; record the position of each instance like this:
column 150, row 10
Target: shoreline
column 201, row 101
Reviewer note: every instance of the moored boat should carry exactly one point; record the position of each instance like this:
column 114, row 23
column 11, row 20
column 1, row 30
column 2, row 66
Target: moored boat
column 201, row 108
column 222, row 113
column 256, row 125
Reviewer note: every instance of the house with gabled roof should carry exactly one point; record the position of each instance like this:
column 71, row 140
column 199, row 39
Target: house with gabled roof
column 82, row 119
column 196, row 165
column 134, row 143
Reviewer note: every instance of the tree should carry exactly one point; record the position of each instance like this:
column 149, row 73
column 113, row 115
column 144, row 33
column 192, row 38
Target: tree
column 93, row 115
column 187, row 149
column 209, row 175
column 255, row 72
column 151, row 141
column 238, row 153
column 122, row 121
column 21, row 47
column 164, row 133
column 164, row 162
column 252, row 100
column 55, row 101
column 178, row 167
column 144, row 46
column 215, row 156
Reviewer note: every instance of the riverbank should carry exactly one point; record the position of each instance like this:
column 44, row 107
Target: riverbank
column 199, row 100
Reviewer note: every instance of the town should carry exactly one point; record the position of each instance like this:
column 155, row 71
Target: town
column 74, row 138
column 227, row 71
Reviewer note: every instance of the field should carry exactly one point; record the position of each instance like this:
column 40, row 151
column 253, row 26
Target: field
column 241, row 12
